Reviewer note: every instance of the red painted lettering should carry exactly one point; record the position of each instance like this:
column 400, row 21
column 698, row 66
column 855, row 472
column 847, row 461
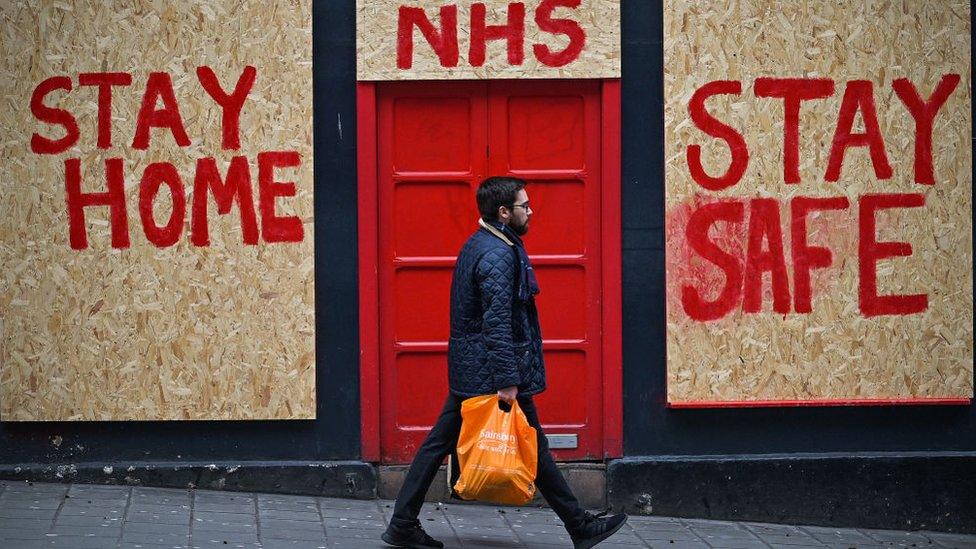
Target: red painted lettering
column 713, row 127
column 104, row 81
column 870, row 251
column 159, row 86
column 273, row 227
column 793, row 91
column 512, row 32
column 764, row 225
column 231, row 105
column 444, row 42
column 696, row 232
column 153, row 177
column 859, row 95
column 806, row 257
column 113, row 197
column 924, row 113
column 568, row 27
column 237, row 187
column 60, row 117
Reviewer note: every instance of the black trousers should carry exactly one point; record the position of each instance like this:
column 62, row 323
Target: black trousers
column 442, row 440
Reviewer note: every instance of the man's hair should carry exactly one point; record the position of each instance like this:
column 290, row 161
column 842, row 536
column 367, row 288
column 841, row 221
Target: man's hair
column 495, row 192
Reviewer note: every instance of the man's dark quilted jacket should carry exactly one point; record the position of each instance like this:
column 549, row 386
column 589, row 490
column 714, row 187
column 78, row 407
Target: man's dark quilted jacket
column 495, row 338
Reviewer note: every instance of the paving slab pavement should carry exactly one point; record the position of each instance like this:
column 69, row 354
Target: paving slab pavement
column 81, row 516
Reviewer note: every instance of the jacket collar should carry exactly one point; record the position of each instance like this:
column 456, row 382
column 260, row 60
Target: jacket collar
column 493, row 230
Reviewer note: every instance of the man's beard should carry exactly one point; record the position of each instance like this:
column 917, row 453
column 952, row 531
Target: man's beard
column 520, row 229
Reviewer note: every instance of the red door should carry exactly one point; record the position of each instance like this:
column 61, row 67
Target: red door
column 435, row 143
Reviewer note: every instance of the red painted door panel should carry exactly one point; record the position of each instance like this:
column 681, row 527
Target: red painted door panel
column 436, row 142
column 548, row 133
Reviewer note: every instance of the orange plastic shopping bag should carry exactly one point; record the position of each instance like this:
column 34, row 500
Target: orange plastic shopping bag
column 497, row 453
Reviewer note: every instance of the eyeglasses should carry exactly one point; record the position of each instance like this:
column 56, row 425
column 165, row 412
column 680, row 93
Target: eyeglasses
column 523, row 205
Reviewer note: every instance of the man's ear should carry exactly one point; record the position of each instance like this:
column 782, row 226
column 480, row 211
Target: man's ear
column 503, row 213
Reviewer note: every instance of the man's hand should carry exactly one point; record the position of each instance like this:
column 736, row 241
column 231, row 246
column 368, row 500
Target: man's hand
column 508, row 394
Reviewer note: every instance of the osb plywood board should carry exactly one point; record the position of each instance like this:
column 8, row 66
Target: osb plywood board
column 438, row 39
column 844, row 346
column 157, row 328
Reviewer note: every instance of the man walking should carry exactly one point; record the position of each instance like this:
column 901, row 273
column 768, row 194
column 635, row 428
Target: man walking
column 495, row 348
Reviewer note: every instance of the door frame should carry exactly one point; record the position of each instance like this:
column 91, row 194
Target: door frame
column 369, row 344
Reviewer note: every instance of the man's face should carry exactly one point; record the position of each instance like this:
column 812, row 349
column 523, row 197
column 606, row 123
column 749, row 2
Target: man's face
column 521, row 213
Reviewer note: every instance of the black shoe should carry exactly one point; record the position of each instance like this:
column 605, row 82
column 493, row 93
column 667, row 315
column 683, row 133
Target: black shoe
column 413, row 537
column 596, row 528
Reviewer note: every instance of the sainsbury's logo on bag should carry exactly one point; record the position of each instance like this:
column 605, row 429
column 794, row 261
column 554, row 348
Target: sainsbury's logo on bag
column 498, row 443
column 494, row 435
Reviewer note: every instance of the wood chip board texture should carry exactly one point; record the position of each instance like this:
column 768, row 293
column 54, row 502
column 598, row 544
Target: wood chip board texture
column 376, row 42
column 219, row 332
column 833, row 353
